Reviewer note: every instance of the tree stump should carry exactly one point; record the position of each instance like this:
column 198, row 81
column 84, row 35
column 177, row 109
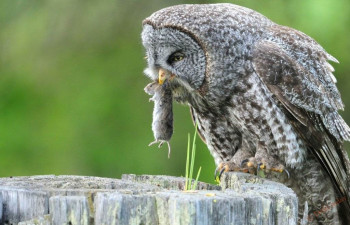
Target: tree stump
column 144, row 199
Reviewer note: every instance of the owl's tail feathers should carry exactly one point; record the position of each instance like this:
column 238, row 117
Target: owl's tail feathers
column 336, row 125
column 335, row 160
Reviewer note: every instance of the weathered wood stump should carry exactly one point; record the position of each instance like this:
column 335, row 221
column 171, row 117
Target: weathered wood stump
column 146, row 199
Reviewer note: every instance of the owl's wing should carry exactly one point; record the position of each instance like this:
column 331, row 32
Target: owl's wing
column 312, row 101
column 299, row 86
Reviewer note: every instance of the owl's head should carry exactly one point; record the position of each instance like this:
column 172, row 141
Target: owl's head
column 173, row 55
column 205, row 47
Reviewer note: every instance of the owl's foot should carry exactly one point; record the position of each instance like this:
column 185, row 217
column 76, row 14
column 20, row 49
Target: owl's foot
column 251, row 166
column 231, row 166
column 264, row 166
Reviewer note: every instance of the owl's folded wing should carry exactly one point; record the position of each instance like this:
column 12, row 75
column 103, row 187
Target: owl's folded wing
column 311, row 102
column 299, row 88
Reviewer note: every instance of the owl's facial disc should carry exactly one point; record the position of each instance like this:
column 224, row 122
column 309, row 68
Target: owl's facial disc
column 174, row 56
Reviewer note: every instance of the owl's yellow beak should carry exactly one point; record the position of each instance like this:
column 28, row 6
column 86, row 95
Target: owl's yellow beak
column 162, row 76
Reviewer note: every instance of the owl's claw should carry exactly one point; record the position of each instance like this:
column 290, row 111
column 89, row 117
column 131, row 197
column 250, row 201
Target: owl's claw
column 286, row 171
column 220, row 168
column 250, row 163
column 226, row 167
column 244, row 162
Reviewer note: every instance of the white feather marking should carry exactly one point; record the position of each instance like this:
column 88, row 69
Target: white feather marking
column 330, row 67
column 151, row 73
column 331, row 58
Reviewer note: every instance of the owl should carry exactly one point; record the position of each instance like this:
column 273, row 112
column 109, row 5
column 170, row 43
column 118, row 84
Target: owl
column 262, row 95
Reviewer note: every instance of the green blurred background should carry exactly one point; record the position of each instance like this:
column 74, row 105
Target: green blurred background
column 71, row 84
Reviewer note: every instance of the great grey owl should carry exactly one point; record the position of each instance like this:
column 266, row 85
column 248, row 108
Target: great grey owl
column 258, row 91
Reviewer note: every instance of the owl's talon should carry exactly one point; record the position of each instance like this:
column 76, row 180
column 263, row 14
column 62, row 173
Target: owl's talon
column 286, row 171
column 226, row 167
column 222, row 167
column 249, row 163
column 221, row 172
column 244, row 162
column 219, row 167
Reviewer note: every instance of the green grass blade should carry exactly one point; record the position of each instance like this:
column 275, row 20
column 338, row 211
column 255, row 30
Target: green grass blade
column 196, row 181
column 192, row 163
column 187, row 161
column 193, row 156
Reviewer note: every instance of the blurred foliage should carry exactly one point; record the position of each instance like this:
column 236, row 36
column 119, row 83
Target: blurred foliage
column 71, row 84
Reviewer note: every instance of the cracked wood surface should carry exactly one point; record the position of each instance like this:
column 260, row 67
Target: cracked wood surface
column 144, row 199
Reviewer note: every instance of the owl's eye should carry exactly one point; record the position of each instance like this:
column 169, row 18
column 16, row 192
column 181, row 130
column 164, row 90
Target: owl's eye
column 175, row 57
